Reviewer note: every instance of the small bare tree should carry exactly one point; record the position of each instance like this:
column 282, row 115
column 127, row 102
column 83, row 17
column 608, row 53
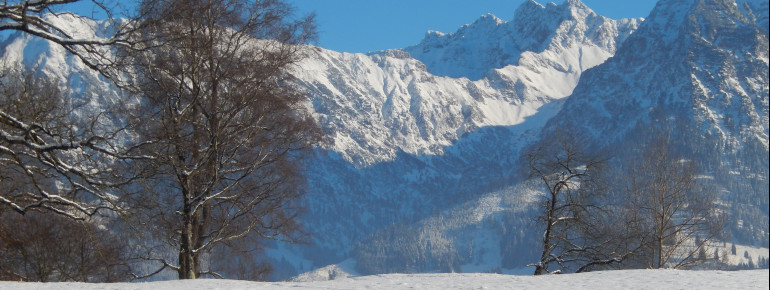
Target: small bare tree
column 223, row 127
column 676, row 215
column 580, row 233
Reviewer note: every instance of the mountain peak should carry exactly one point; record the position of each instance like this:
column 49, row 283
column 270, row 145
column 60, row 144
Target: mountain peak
column 673, row 23
column 488, row 19
column 576, row 4
column 528, row 6
column 490, row 43
column 484, row 22
column 578, row 9
column 568, row 9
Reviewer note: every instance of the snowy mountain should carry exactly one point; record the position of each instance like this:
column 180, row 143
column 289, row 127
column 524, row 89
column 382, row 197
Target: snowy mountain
column 421, row 146
column 404, row 142
column 697, row 71
column 398, row 99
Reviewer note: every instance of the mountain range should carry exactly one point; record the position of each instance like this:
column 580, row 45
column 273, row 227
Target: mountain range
column 419, row 169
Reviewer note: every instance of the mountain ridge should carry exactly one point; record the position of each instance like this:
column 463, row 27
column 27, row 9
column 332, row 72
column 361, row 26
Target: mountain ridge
column 491, row 43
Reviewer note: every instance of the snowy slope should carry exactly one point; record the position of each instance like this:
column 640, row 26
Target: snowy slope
column 92, row 95
column 494, row 233
column 627, row 279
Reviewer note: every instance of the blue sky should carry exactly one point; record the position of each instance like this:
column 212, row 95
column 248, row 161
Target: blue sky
column 369, row 25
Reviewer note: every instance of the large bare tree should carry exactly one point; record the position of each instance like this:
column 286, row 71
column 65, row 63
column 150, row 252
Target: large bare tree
column 224, row 128
column 61, row 164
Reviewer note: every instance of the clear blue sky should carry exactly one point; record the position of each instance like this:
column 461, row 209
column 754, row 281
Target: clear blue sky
column 369, row 25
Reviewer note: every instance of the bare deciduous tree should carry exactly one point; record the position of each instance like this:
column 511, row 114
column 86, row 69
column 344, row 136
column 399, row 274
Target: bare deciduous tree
column 58, row 155
column 676, row 215
column 52, row 162
column 224, row 128
column 49, row 159
column 579, row 231
column 42, row 246
column 562, row 170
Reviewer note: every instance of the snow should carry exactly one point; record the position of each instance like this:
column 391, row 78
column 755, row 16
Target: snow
column 346, row 269
column 424, row 98
column 740, row 250
column 624, row 279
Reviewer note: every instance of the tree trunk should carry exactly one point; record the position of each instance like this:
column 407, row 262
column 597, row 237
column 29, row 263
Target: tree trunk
column 188, row 260
column 541, row 267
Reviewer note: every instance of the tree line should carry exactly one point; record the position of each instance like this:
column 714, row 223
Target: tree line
column 201, row 156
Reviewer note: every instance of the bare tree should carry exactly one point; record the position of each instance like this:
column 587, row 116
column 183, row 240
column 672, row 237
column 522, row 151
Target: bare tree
column 48, row 158
column 676, row 214
column 42, row 246
column 58, row 155
column 223, row 127
column 52, row 161
column 579, row 230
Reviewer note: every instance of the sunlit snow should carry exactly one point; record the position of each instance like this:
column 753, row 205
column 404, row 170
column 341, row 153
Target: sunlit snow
column 625, row 279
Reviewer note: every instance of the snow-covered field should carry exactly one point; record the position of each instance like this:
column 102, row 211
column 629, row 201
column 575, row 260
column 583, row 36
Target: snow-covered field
column 623, row 279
